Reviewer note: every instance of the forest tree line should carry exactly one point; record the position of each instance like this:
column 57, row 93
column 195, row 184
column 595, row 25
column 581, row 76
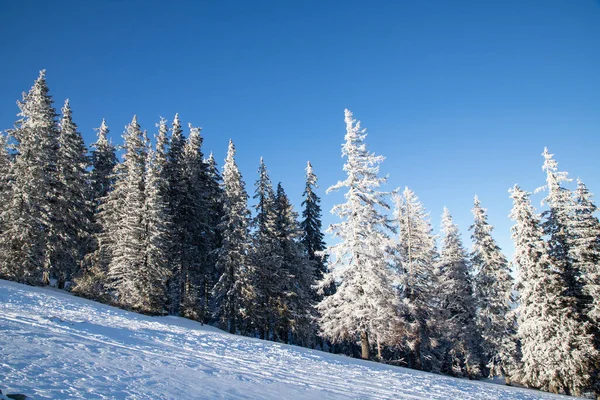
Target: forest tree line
column 165, row 231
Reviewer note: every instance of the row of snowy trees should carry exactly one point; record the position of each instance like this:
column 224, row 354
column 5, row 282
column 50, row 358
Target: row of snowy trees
column 159, row 232
column 459, row 312
column 163, row 231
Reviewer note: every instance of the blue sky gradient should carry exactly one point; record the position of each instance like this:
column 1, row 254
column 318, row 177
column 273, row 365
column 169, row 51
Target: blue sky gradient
column 461, row 97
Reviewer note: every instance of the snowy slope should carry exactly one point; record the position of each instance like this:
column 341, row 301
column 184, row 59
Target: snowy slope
column 54, row 345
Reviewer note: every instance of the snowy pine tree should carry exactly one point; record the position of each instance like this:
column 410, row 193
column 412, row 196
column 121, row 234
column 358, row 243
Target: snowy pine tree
column 457, row 304
column 175, row 174
column 364, row 305
column 557, row 226
column 556, row 348
column 104, row 161
column 297, row 276
column 233, row 292
column 493, row 286
column 151, row 279
column 197, row 233
column 127, row 229
column 75, row 207
column 5, row 190
column 417, row 256
column 585, row 247
column 32, row 214
column 214, row 195
column 266, row 258
column 312, row 235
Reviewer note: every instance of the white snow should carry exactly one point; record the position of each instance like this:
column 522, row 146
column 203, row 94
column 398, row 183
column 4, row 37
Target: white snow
column 54, row 345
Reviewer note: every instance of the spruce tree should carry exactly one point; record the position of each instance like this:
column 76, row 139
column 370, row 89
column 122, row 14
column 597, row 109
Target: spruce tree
column 364, row 305
column 214, row 195
column 557, row 226
column 175, row 174
column 556, row 348
column 128, row 236
column 31, row 218
column 493, row 286
column 457, row 304
column 233, row 292
column 417, row 255
column 296, row 273
column 312, row 234
column 5, row 190
column 585, row 247
column 266, row 258
column 151, row 279
column 196, row 229
column 75, row 207
column 104, row 161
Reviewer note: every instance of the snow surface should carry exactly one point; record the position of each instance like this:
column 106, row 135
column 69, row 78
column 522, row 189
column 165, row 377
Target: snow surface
column 54, row 345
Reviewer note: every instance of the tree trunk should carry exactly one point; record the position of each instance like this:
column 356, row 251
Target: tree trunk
column 364, row 340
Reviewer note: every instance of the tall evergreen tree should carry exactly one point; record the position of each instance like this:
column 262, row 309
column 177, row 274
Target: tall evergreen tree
column 215, row 198
column 195, row 206
column 266, row 257
column 75, row 207
column 312, row 234
column 5, row 191
column 297, row 275
column 104, row 160
column 151, row 279
column 233, row 292
column 457, row 304
column 364, row 304
column 493, row 286
column 417, row 256
column 33, row 211
column 129, row 241
column 556, row 349
column 107, row 201
column 585, row 247
column 557, row 226
column 175, row 174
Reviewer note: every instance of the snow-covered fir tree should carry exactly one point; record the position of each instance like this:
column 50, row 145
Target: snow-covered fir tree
column 233, row 292
column 556, row 348
column 463, row 340
column 175, row 174
column 585, row 248
column 214, row 195
column 312, row 234
column 557, row 225
column 152, row 277
column 297, row 276
column 195, row 206
column 31, row 217
column 93, row 283
column 364, row 306
column 128, row 230
column 103, row 160
column 72, row 243
column 493, row 286
column 417, row 256
column 5, row 192
column 266, row 258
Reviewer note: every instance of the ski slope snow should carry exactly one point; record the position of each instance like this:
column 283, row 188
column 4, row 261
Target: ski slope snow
column 54, row 345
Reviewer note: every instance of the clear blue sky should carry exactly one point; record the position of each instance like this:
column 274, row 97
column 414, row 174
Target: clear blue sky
column 460, row 96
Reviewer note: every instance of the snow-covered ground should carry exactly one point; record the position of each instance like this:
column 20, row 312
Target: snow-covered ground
column 54, row 345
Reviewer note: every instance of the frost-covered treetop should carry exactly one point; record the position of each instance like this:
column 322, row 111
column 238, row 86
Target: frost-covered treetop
column 554, row 177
